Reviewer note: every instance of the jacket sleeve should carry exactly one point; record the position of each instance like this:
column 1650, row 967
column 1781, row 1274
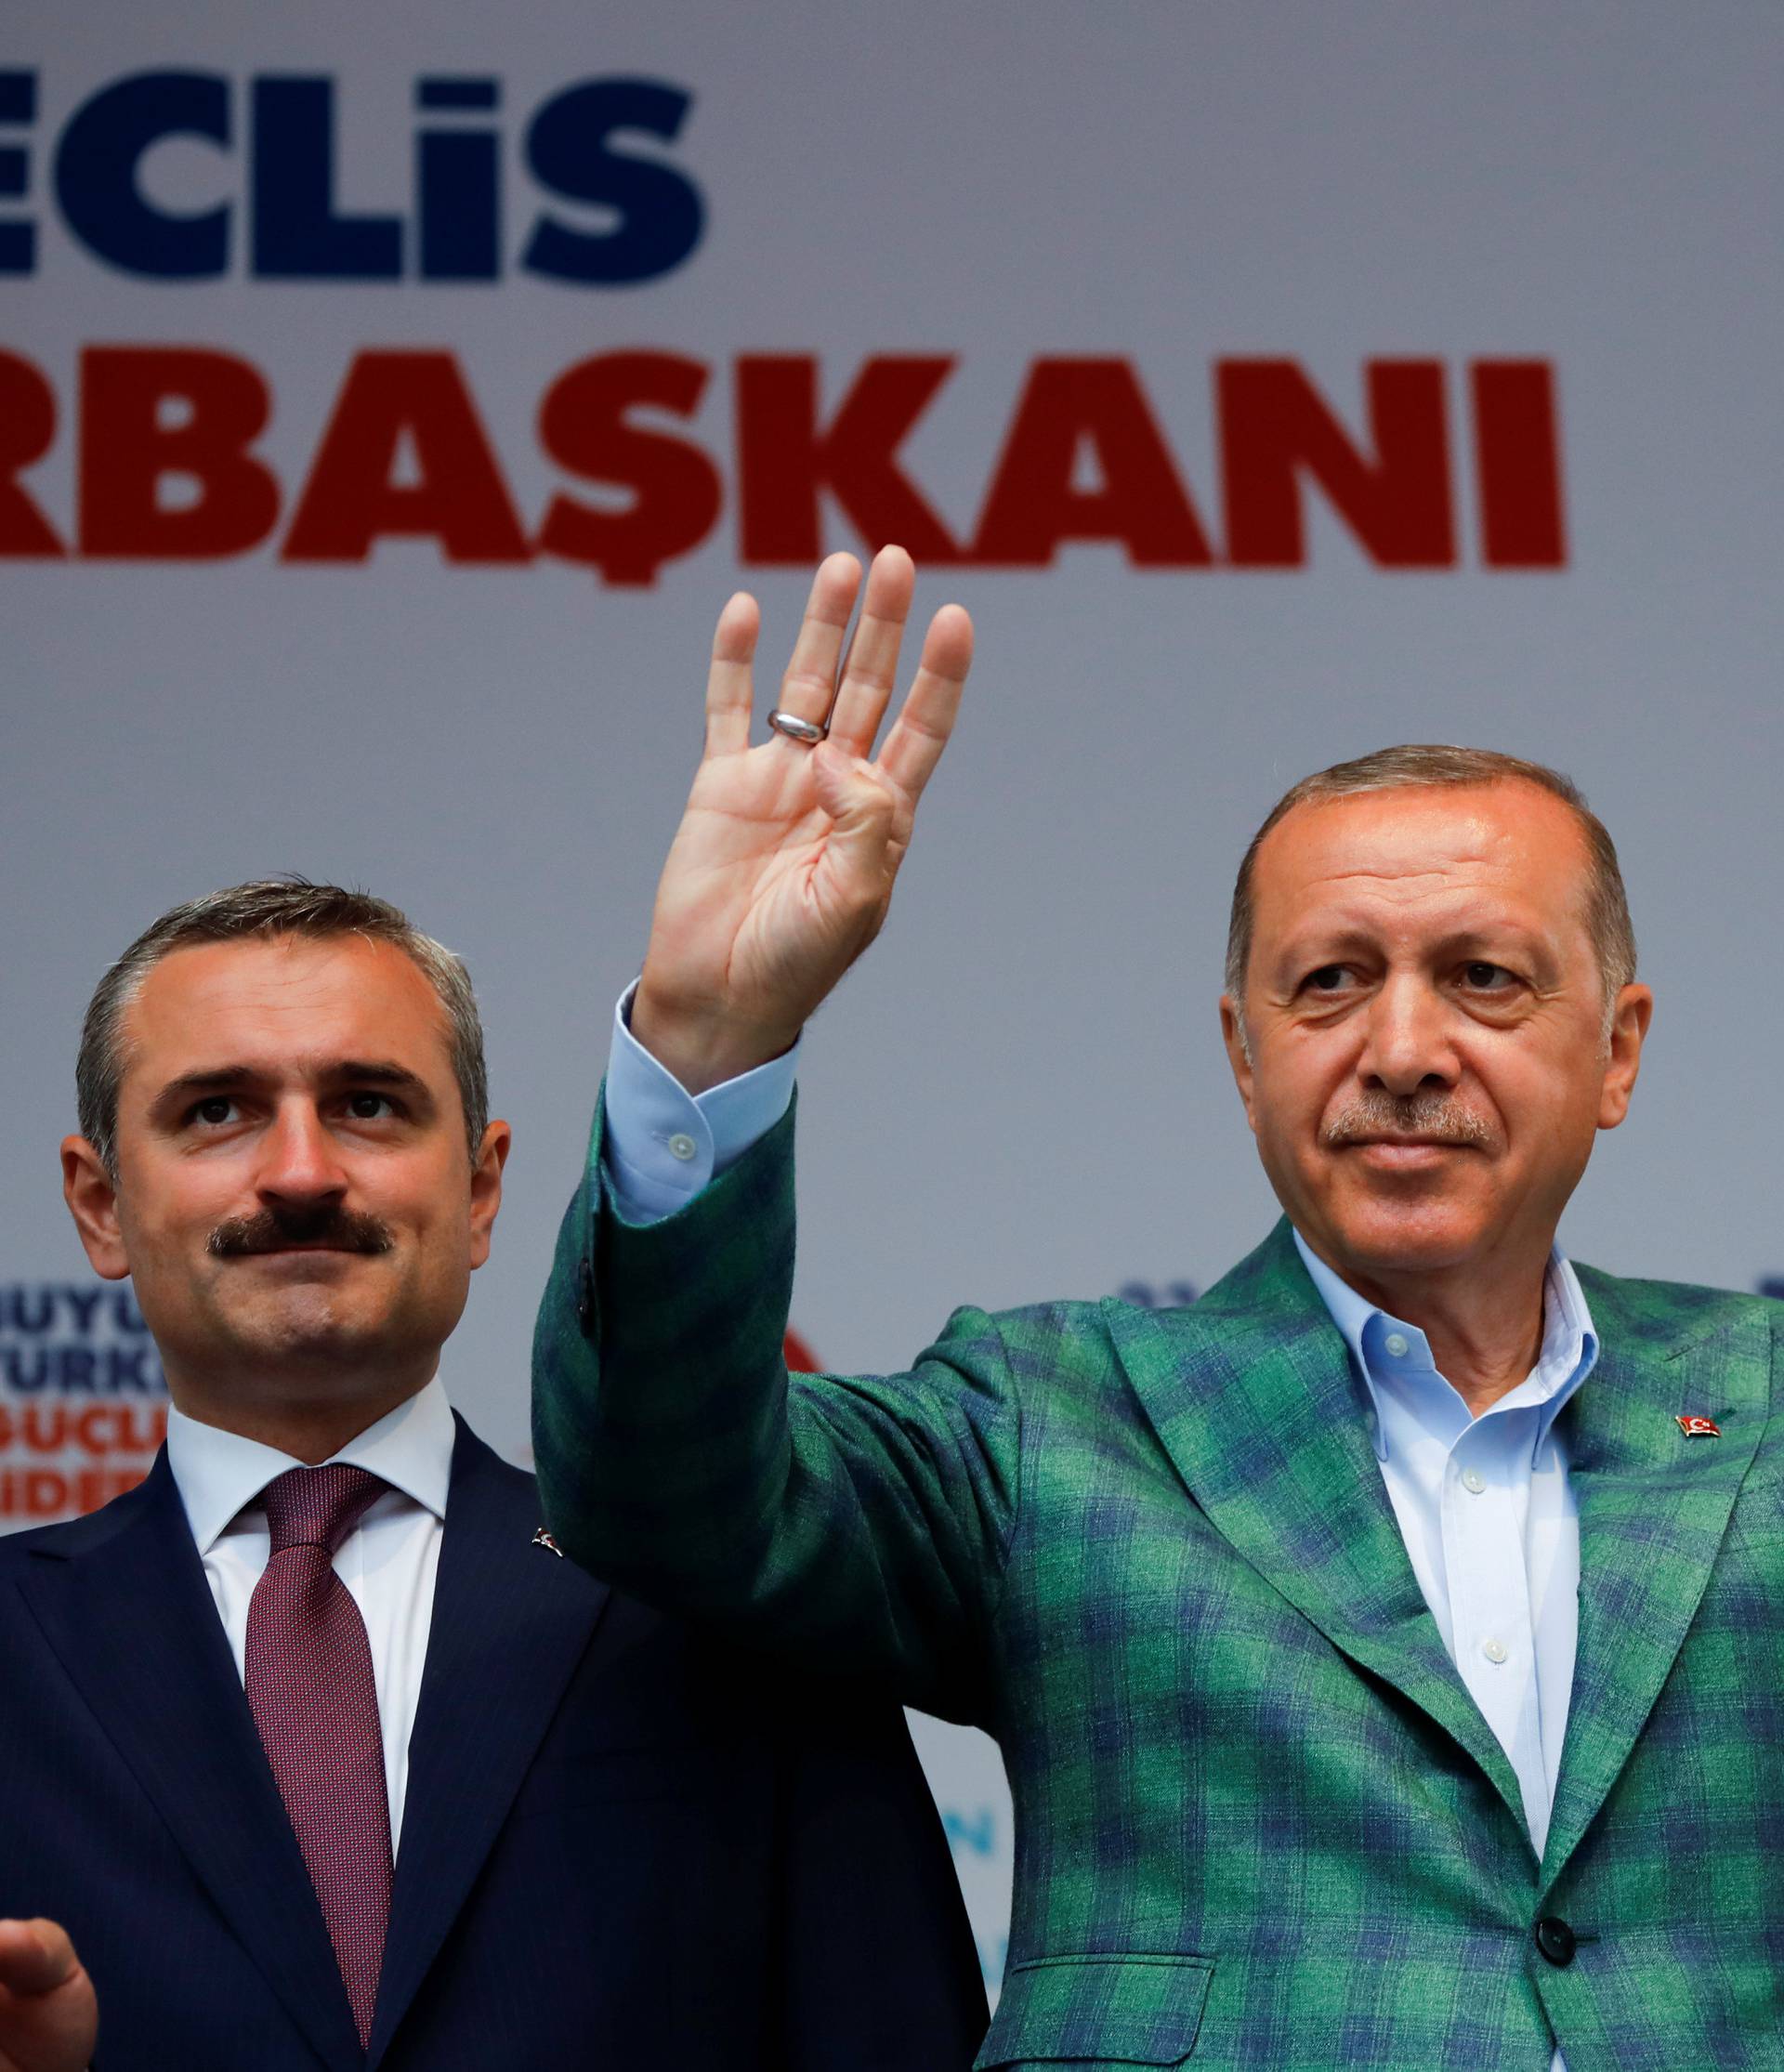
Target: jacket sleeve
column 861, row 1520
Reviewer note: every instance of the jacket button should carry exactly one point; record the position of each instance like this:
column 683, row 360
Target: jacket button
column 1555, row 1939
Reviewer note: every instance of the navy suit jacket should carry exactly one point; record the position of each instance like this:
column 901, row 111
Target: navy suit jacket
column 626, row 1842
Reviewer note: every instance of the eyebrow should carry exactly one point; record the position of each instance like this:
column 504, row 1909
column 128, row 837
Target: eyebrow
column 345, row 1071
column 1479, row 941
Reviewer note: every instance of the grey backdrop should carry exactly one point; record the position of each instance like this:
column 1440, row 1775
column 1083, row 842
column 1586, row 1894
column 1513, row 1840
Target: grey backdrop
column 1021, row 1092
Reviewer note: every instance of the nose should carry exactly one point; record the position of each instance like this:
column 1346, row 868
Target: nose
column 299, row 1162
column 1407, row 1045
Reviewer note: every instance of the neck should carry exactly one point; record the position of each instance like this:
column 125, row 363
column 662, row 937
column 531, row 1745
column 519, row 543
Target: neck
column 1484, row 1332
column 308, row 1426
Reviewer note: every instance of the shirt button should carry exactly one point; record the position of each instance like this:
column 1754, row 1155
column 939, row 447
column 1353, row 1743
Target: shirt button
column 1473, row 1481
column 1494, row 1651
column 682, row 1147
column 1397, row 1343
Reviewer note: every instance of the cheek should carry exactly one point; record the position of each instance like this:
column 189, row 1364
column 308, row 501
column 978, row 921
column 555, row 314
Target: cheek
column 168, row 1224
column 1293, row 1089
column 439, row 1231
column 1542, row 1100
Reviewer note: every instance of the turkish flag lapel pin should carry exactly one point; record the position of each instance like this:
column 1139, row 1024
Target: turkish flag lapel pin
column 542, row 1539
column 1699, row 1428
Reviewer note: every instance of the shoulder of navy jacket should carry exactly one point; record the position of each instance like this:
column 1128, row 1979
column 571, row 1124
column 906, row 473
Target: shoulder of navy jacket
column 71, row 1538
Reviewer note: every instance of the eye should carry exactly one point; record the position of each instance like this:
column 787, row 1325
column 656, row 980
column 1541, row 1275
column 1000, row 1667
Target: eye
column 214, row 1111
column 1483, row 978
column 370, row 1107
column 1329, row 979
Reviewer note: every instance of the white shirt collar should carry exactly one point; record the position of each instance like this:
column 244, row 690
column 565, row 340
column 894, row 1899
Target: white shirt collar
column 219, row 1473
column 1569, row 1349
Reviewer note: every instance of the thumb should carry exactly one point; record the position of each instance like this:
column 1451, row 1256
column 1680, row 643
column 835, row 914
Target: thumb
column 860, row 803
column 35, row 1957
column 49, row 2016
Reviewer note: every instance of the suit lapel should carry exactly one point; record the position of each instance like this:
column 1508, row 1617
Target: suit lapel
column 1654, row 1507
column 1251, row 1395
column 511, row 1622
column 122, row 1602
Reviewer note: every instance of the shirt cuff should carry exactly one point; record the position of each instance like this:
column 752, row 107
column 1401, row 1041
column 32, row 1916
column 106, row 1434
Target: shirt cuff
column 663, row 1143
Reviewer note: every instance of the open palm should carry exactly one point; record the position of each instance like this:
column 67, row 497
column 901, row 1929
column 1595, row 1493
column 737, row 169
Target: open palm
column 782, row 869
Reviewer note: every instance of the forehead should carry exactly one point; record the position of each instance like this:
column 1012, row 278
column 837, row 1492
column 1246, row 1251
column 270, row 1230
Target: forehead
column 284, row 1007
column 1450, row 854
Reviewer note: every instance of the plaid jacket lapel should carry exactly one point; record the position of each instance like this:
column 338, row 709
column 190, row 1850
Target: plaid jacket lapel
column 1654, row 1507
column 1251, row 1393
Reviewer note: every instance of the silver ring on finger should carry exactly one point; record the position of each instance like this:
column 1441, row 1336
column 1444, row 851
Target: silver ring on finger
column 808, row 732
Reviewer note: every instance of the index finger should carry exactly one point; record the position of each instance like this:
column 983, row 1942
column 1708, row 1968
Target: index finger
column 926, row 719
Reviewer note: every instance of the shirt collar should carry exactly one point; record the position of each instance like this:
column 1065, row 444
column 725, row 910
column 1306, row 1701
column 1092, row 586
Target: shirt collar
column 219, row 1473
column 1569, row 1353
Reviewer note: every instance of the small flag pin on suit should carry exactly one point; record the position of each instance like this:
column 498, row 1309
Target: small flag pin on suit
column 542, row 1539
column 1699, row 1428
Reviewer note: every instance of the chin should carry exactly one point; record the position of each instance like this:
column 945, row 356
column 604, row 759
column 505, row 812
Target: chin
column 313, row 1330
column 1407, row 1237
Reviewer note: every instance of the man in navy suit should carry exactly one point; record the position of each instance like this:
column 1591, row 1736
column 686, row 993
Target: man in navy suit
column 313, row 1744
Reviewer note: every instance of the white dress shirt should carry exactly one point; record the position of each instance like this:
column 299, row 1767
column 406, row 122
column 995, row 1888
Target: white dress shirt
column 1491, row 1524
column 388, row 1562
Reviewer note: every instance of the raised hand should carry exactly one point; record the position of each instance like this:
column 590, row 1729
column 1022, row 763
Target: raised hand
column 49, row 2016
column 782, row 871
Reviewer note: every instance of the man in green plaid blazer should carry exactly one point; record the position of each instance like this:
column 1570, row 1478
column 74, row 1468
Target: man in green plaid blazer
column 1208, row 1574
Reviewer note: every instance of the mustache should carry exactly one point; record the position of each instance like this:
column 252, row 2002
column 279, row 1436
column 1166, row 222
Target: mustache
column 327, row 1224
column 1433, row 1118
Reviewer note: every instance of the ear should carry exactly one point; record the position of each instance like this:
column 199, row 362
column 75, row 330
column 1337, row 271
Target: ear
column 1233, row 1037
column 1629, row 1021
column 92, row 1198
column 486, row 1188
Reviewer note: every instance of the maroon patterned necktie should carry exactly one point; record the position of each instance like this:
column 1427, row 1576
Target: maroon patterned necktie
column 311, row 1692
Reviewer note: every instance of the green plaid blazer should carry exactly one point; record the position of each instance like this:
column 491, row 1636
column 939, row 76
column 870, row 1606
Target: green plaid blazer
column 1258, row 1820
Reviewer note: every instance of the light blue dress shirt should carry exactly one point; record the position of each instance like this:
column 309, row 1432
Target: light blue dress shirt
column 1487, row 1512
column 663, row 1144
column 1484, row 1505
column 1489, row 1521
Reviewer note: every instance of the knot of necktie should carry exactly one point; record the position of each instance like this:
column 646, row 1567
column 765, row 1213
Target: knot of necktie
column 318, row 1507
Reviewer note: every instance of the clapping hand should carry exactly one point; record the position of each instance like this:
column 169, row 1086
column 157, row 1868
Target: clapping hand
column 782, row 869
column 49, row 2016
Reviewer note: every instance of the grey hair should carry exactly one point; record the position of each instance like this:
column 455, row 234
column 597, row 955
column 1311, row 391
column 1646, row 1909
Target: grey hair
column 1416, row 763
column 265, row 909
